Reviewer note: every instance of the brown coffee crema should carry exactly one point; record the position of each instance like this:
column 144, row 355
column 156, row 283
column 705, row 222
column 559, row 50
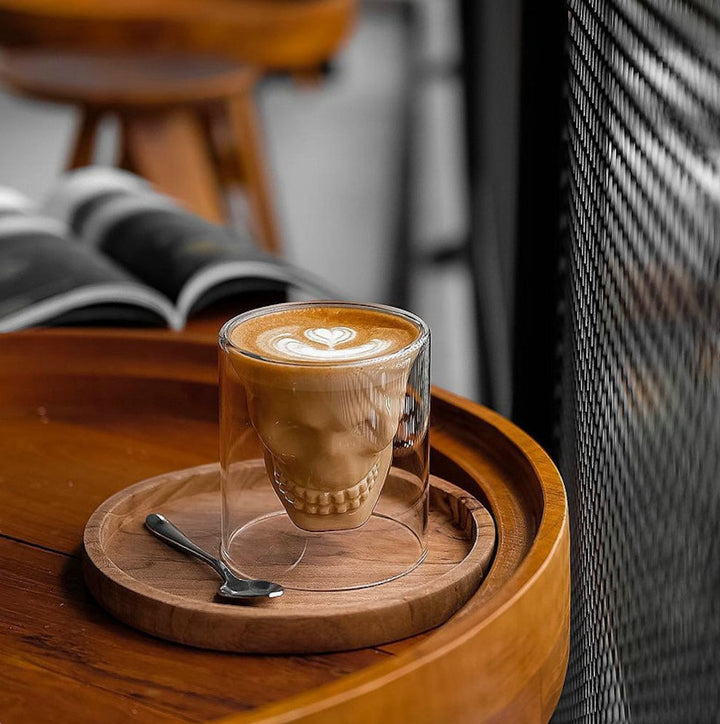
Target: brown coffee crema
column 325, row 391
column 324, row 335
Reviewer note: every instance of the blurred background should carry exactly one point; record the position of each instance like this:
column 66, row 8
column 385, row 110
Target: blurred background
column 368, row 165
column 551, row 208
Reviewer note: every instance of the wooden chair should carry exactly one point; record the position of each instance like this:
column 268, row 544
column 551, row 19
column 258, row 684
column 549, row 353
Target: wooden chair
column 189, row 126
column 179, row 76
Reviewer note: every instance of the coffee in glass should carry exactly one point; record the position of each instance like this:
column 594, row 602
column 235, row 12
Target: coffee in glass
column 324, row 411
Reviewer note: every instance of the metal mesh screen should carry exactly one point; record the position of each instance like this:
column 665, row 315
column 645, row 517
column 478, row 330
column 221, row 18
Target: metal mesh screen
column 639, row 433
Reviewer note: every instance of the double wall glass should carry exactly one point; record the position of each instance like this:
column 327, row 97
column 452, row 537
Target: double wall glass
column 324, row 461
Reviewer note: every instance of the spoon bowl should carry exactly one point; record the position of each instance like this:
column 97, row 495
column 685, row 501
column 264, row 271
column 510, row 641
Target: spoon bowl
column 235, row 587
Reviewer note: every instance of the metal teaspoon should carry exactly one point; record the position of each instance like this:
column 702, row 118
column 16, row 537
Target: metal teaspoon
column 233, row 587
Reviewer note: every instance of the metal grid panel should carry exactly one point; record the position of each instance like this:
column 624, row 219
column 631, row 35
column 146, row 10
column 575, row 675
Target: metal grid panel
column 639, row 433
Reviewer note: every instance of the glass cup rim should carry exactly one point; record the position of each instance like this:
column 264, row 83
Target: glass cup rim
column 423, row 337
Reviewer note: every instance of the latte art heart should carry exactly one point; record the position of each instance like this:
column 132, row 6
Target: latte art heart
column 289, row 346
column 331, row 337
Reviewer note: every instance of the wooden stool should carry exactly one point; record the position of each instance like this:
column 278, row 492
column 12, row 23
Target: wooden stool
column 189, row 125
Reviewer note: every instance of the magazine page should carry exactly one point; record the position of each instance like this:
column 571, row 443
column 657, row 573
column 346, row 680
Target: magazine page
column 12, row 202
column 190, row 261
column 45, row 278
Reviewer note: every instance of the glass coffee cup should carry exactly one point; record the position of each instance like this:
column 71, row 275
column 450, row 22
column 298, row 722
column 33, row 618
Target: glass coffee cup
column 324, row 413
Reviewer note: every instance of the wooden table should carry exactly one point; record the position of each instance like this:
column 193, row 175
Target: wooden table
column 126, row 405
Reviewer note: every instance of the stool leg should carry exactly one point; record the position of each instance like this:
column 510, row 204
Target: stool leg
column 169, row 149
column 83, row 149
column 247, row 136
column 220, row 140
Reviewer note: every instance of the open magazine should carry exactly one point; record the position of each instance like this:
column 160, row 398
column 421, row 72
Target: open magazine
column 104, row 248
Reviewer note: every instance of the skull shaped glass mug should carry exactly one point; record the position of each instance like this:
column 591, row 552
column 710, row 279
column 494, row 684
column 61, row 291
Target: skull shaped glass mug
column 324, row 412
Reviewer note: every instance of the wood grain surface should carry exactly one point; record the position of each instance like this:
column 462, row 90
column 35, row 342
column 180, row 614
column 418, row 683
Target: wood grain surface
column 165, row 593
column 83, row 414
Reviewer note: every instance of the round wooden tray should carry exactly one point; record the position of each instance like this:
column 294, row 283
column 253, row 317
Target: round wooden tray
column 160, row 591
column 85, row 414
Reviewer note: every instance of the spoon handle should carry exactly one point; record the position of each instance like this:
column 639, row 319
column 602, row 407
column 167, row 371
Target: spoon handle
column 164, row 529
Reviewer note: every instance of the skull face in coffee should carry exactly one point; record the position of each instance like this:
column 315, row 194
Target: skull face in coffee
column 325, row 389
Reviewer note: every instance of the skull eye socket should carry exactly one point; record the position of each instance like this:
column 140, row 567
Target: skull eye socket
column 288, row 436
column 363, row 430
column 367, row 424
column 371, row 429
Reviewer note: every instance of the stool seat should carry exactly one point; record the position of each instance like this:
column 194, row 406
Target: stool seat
column 273, row 34
column 123, row 80
column 189, row 125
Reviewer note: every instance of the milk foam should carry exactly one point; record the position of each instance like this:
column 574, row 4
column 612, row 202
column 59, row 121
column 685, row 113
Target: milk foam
column 321, row 344
column 324, row 335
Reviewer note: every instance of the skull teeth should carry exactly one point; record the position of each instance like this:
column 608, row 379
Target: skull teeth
column 323, row 502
